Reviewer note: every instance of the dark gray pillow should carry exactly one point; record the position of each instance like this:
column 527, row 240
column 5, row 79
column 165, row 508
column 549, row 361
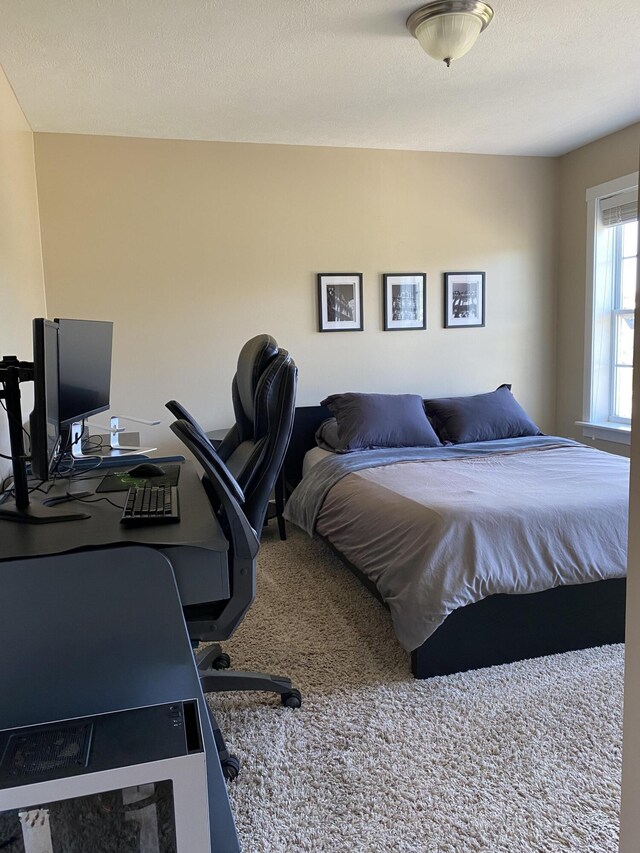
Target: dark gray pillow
column 366, row 421
column 481, row 417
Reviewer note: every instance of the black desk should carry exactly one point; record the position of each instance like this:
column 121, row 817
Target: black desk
column 86, row 635
column 196, row 547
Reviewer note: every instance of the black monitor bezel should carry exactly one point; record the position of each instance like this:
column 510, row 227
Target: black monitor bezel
column 45, row 403
column 82, row 415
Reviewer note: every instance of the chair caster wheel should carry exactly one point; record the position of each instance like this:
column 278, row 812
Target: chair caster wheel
column 230, row 768
column 223, row 661
column 292, row 699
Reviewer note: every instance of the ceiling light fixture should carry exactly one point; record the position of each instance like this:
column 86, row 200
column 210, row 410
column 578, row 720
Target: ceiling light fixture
column 447, row 29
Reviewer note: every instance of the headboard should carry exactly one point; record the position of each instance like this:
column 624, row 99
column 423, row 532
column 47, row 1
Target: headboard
column 306, row 421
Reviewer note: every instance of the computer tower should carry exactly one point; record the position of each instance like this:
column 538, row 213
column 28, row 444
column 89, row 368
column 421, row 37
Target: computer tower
column 131, row 781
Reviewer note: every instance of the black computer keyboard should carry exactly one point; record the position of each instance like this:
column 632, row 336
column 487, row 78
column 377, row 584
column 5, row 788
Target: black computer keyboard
column 151, row 505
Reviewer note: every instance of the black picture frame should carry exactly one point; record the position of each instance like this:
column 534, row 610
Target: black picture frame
column 340, row 307
column 464, row 299
column 404, row 301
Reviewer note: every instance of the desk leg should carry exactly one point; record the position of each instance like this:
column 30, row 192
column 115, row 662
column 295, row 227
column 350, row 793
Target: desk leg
column 279, row 494
column 223, row 832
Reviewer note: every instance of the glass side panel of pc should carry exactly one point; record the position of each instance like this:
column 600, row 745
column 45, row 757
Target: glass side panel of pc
column 130, row 781
column 137, row 819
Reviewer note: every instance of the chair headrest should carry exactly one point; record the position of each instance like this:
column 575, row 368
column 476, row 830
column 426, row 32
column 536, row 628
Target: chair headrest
column 254, row 357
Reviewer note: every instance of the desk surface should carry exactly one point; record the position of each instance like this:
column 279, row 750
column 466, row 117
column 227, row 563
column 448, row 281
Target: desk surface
column 196, row 546
column 198, row 526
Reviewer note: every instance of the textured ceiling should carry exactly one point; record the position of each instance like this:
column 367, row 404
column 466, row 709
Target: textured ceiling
column 544, row 78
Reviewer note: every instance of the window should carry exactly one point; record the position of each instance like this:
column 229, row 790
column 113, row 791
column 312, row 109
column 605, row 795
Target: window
column 612, row 259
column 625, row 255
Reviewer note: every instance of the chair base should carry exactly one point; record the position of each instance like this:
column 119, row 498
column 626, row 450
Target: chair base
column 215, row 677
column 211, row 657
column 217, row 681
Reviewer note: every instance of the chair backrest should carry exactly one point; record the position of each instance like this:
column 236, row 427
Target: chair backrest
column 264, row 393
column 180, row 413
column 219, row 620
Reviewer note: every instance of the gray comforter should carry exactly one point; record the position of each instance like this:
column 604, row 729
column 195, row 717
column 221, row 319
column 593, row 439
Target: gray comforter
column 436, row 529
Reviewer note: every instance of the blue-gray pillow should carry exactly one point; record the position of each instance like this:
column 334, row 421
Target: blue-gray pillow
column 367, row 421
column 480, row 417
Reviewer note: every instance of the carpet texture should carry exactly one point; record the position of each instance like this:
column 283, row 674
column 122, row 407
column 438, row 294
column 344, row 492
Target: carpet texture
column 513, row 759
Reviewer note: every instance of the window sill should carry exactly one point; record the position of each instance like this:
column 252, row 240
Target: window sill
column 607, row 431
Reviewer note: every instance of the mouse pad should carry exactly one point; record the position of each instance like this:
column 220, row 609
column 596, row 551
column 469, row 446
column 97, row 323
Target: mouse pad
column 121, row 481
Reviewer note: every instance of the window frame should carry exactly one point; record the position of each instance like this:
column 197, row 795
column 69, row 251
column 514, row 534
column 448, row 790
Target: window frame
column 616, row 312
column 597, row 421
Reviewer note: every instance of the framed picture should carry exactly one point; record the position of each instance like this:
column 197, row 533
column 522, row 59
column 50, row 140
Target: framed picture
column 404, row 298
column 340, row 302
column 464, row 298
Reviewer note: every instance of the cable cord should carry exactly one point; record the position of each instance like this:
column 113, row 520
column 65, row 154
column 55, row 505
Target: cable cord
column 3, row 455
column 92, row 501
column 22, row 427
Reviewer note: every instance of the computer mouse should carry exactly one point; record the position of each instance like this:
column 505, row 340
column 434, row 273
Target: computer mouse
column 146, row 469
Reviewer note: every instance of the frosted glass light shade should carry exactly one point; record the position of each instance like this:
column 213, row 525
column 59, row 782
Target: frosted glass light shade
column 447, row 29
column 449, row 36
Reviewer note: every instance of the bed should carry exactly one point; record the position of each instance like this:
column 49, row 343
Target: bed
column 484, row 552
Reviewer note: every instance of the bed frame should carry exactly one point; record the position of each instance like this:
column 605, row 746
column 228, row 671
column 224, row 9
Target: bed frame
column 501, row 628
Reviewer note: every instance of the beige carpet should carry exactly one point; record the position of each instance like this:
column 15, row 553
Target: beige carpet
column 514, row 759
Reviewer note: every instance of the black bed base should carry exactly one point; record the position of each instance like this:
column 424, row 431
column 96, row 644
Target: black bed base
column 501, row 628
column 507, row 628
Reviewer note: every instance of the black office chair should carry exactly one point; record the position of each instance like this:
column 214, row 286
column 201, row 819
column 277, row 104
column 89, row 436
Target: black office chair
column 264, row 397
column 218, row 620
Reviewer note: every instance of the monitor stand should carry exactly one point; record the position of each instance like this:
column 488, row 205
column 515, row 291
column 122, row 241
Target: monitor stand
column 110, row 448
column 37, row 514
column 115, row 429
column 19, row 508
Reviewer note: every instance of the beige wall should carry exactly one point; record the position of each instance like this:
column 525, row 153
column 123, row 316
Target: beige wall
column 191, row 248
column 21, row 283
column 608, row 158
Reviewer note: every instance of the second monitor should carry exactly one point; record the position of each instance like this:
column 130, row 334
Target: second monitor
column 85, row 368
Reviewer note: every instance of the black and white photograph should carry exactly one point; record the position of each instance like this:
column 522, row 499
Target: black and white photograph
column 404, row 301
column 464, row 299
column 340, row 302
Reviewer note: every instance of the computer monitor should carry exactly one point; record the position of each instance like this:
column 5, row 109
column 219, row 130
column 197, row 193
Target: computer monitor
column 84, row 348
column 44, row 426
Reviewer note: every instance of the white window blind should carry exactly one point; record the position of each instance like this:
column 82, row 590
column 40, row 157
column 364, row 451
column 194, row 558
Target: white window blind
column 619, row 208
